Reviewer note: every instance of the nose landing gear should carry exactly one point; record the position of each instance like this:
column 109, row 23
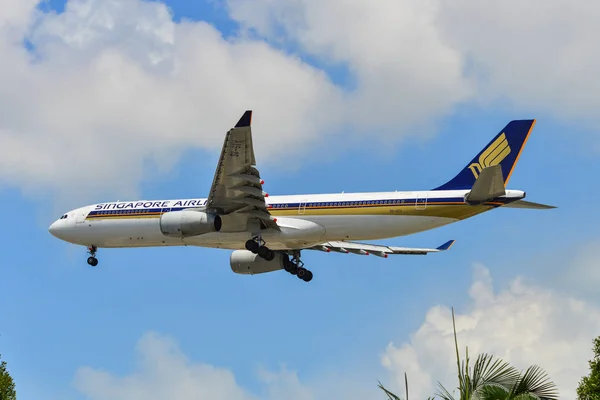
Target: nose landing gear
column 92, row 260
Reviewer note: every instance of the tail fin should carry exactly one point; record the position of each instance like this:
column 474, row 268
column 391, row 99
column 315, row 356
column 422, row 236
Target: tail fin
column 504, row 150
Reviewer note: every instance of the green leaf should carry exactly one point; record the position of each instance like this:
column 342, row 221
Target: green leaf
column 589, row 386
column 444, row 393
column 391, row 396
column 489, row 370
column 7, row 385
column 535, row 381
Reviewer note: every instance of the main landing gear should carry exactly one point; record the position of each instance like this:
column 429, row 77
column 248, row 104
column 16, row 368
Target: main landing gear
column 257, row 246
column 295, row 266
column 92, row 260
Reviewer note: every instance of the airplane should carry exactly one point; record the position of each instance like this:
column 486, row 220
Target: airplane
column 268, row 233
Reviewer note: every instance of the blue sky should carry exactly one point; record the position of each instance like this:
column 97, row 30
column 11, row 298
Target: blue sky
column 60, row 315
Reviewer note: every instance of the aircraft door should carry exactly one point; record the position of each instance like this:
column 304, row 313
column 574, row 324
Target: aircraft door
column 80, row 215
column 421, row 201
column 302, row 207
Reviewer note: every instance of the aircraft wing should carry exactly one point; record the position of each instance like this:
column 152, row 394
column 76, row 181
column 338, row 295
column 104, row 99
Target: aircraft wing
column 378, row 250
column 236, row 191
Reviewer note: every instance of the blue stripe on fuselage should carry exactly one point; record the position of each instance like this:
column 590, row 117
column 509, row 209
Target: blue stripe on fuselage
column 308, row 205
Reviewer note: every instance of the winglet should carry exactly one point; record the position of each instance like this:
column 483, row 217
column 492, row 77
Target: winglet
column 245, row 120
column 446, row 246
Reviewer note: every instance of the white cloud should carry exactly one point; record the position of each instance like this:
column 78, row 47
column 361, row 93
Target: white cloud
column 404, row 70
column 583, row 273
column 523, row 324
column 113, row 84
column 16, row 14
column 117, row 83
column 284, row 384
column 539, row 55
column 164, row 373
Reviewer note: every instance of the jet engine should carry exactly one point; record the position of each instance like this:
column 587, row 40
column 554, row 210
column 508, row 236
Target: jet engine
column 187, row 223
column 248, row 263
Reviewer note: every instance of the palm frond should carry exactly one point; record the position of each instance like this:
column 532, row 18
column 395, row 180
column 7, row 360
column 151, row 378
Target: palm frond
column 467, row 383
column 460, row 374
column 489, row 370
column 535, row 381
column 493, row 392
column 525, row 396
column 492, row 378
column 390, row 395
column 443, row 393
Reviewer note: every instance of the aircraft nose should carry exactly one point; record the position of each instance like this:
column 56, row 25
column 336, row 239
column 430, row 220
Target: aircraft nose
column 54, row 229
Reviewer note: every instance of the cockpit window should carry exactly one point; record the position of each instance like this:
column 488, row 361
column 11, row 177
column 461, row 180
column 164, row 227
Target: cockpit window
column 63, row 217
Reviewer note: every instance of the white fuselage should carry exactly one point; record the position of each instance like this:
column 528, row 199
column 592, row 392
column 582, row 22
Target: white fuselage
column 305, row 220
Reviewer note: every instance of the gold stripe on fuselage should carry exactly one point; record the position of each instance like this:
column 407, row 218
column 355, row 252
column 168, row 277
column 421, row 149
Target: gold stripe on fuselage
column 122, row 216
column 445, row 210
column 448, row 210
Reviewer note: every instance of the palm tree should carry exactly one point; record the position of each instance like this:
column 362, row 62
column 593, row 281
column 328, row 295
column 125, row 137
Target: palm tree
column 392, row 396
column 492, row 379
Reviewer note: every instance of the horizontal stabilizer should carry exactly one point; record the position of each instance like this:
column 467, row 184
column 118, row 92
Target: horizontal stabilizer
column 488, row 185
column 528, row 204
column 375, row 249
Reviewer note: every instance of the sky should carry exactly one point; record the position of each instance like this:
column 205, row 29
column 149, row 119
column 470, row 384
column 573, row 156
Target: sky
column 103, row 100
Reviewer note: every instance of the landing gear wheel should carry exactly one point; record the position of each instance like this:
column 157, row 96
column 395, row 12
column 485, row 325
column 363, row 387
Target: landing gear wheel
column 296, row 267
column 257, row 246
column 307, row 276
column 271, row 256
column 301, row 272
column 252, row 246
column 289, row 266
column 92, row 260
column 266, row 253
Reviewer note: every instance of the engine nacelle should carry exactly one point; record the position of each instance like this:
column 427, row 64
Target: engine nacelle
column 188, row 223
column 248, row 263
